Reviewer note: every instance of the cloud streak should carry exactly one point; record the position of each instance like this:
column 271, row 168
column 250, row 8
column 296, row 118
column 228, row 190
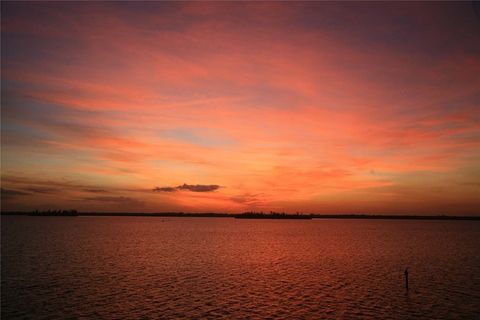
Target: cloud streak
column 9, row 193
column 189, row 187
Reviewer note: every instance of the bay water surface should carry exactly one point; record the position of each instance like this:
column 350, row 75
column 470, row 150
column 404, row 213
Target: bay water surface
column 207, row 268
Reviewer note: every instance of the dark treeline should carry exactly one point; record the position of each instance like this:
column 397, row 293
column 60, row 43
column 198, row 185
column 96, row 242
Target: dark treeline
column 245, row 215
column 50, row 213
column 393, row 217
column 282, row 215
column 272, row 215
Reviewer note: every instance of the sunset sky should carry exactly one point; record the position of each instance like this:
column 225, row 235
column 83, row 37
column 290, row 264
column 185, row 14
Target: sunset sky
column 308, row 107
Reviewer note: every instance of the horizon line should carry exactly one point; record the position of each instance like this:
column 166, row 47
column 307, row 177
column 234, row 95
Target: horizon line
column 233, row 215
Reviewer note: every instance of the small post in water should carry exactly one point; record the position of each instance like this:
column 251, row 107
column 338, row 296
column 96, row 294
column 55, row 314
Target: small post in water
column 406, row 278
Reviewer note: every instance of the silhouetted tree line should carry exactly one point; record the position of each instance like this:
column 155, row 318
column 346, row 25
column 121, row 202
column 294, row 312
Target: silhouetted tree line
column 245, row 215
column 272, row 215
column 55, row 213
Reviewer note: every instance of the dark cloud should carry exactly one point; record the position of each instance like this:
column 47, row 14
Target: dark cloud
column 29, row 182
column 164, row 189
column 9, row 193
column 95, row 190
column 108, row 199
column 41, row 190
column 189, row 187
column 43, row 186
column 198, row 187
column 52, row 186
column 247, row 198
column 472, row 184
column 114, row 200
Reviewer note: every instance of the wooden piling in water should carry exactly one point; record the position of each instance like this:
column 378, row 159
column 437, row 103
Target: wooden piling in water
column 406, row 278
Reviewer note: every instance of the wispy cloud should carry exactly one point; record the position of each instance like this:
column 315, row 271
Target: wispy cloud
column 41, row 190
column 9, row 194
column 164, row 189
column 95, row 190
column 118, row 202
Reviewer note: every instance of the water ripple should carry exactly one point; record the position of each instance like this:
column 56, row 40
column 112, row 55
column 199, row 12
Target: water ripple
column 192, row 268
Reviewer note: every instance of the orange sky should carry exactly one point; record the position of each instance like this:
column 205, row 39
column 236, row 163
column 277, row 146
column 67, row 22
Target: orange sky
column 229, row 107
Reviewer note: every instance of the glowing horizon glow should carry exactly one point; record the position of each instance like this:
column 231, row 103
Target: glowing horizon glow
column 231, row 107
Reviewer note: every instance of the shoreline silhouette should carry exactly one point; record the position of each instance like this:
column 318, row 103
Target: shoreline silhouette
column 245, row 215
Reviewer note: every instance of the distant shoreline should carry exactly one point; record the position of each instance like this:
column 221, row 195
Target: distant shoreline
column 255, row 216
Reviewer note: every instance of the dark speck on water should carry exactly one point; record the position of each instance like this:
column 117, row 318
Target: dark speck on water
column 195, row 268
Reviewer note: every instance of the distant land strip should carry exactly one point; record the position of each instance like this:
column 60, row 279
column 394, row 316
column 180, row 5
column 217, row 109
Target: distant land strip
column 247, row 215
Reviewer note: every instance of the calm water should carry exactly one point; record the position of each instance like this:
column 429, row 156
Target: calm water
column 137, row 267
